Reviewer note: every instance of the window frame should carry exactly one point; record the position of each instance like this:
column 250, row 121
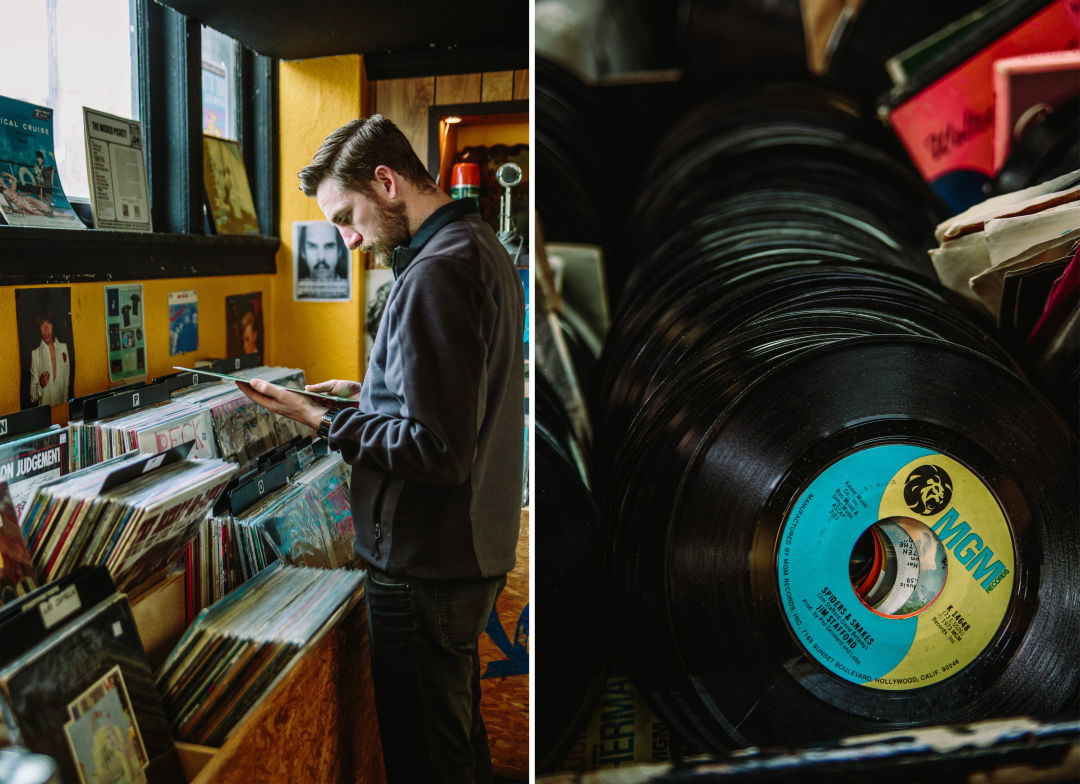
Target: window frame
column 169, row 78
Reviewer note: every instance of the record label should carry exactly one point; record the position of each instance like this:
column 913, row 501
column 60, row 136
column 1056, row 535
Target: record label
column 895, row 567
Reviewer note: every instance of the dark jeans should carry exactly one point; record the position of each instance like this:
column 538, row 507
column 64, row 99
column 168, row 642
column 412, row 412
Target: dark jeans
column 426, row 669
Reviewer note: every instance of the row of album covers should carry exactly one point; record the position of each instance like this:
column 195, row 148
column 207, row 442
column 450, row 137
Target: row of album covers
column 256, row 513
column 31, row 193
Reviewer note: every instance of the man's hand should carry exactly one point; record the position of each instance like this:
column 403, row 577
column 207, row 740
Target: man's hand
column 43, row 379
column 280, row 400
column 336, row 387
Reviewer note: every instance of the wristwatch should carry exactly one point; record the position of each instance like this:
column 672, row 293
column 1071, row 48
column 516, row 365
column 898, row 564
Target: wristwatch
column 323, row 431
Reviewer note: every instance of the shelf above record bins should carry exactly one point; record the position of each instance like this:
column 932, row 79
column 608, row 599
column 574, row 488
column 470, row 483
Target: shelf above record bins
column 30, row 256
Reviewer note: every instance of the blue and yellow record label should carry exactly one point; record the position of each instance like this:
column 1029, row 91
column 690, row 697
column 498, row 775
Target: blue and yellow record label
column 932, row 514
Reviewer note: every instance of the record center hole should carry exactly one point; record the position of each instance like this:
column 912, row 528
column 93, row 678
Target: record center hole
column 898, row 567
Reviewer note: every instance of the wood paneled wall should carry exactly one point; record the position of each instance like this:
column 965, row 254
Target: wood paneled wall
column 406, row 101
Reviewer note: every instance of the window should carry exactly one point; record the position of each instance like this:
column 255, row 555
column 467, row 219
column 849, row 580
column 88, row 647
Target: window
column 90, row 64
column 218, row 84
column 141, row 59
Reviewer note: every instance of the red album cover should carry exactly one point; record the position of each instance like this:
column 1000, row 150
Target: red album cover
column 16, row 569
column 948, row 126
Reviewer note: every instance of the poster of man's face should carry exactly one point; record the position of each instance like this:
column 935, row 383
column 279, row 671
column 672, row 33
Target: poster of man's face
column 322, row 267
column 46, row 346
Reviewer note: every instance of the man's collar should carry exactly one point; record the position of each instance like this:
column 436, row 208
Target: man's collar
column 448, row 213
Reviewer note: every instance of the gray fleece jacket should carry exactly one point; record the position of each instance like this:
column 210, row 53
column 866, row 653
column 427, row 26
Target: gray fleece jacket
column 436, row 443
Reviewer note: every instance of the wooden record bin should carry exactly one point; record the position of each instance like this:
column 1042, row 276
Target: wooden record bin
column 318, row 723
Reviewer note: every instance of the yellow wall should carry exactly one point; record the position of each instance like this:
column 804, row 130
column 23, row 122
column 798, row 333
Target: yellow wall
column 317, row 96
column 90, row 341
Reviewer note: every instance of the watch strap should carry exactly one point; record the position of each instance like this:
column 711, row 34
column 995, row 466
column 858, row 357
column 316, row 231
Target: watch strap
column 327, row 420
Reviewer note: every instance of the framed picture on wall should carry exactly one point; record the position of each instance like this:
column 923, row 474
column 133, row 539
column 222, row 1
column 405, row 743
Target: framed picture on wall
column 244, row 324
column 46, row 346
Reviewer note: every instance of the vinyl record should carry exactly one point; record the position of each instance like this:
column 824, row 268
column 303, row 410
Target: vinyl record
column 680, row 323
column 571, row 603
column 759, row 542
column 782, row 365
column 571, row 158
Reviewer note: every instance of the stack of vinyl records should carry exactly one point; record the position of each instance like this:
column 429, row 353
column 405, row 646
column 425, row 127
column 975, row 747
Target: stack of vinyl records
column 75, row 683
column 307, row 522
column 243, row 429
column 132, row 514
column 212, row 568
column 577, row 178
column 571, row 592
column 834, row 505
column 238, row 648
column 571, row 596
column 326, row 540
column 216, row 416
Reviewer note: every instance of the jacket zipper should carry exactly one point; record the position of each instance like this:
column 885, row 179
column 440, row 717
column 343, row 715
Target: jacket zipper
column 376, row 515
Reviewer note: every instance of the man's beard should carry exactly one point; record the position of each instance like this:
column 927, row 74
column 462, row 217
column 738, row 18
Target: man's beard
column 393, row 230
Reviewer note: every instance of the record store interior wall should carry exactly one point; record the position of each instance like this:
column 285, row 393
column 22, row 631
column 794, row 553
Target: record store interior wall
column 316, row 96
column 91, row 345
column 324, row 338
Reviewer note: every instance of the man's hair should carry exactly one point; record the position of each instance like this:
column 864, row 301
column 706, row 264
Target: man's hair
column 351, row 153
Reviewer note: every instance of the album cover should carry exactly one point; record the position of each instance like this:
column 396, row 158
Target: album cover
column 30, row 190
column 176, row 426
column 46, row 346
column 327, row 481
column 17, row 576
column 377, row 285
column 27, row 461
column 124, row 320
column 244, row 324
column 295, row 528
column 228, row 193
column 48, row 690
column 119, row 190
column 183, row 322
column 945, row 118
column 103, row 735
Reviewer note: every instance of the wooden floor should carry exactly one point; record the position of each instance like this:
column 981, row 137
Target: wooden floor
column 505, row 701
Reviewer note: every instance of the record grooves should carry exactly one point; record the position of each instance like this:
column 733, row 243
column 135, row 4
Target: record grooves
column 783, row 380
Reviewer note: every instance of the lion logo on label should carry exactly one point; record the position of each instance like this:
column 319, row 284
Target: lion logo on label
column 928, row 490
